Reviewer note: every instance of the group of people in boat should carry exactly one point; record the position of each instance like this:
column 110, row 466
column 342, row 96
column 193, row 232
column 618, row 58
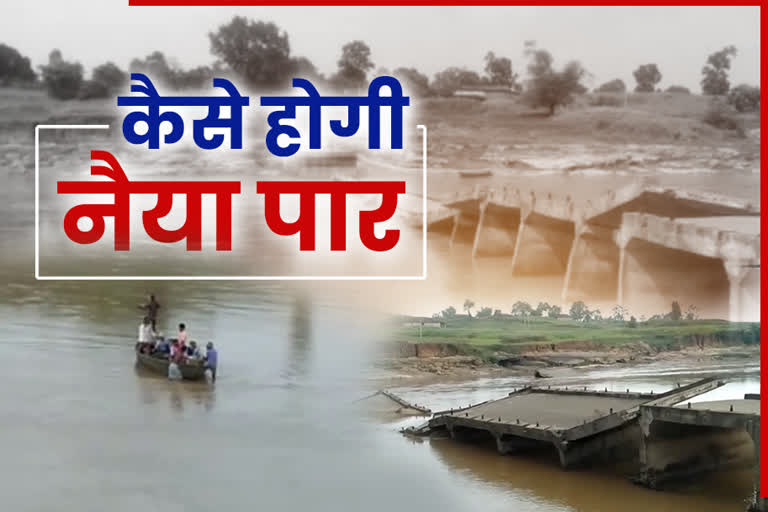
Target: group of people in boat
column 178, row 350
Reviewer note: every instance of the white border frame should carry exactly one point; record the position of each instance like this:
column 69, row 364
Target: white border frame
column 39, row 127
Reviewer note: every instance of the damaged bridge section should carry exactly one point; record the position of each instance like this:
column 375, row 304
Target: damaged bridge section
column 683, row 442
column 581, row 426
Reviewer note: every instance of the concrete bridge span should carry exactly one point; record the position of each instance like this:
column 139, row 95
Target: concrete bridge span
column 638, row 244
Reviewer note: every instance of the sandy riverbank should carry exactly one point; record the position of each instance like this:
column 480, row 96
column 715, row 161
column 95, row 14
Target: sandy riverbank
column 416, row 371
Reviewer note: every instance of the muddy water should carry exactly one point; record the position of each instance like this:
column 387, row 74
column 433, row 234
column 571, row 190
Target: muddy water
column 83, row 429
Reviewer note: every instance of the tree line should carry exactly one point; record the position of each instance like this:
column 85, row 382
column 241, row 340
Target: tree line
column 259, row 53
column 579, row 311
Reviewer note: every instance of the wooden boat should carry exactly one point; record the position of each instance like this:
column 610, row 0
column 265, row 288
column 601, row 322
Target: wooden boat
column 475, row 174
column 160, row 365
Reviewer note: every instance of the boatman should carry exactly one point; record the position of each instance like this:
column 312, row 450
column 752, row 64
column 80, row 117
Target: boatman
column 151, row 308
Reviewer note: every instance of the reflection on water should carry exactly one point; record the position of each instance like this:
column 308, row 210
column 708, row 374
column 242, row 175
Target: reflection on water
column 539, row 484
column 301, row 312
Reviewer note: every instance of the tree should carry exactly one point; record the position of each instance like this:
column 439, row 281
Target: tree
column 449, row 312
column 692, row 313
column 354, row 64
column 485, row 312
column 14, row 68
column 468, row 305
column 541, row 309
column 498, row 71
column 110, row 75
column 414, row 83
column 155, row 66
column 555, row 311
column 257, row 50
column 105, row 81
column 521, row 309
column 647, row 76
column 745, row 98
column 632, row 322
column 302, row 67
column 715, row 71
column 614, row 86
column 579, row 311
column 448, row 81
column 62, row 79
column 675, row 315
column 618, row 313
column 547, row 87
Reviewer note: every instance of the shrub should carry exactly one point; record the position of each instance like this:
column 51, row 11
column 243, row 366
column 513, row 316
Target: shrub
column 110, row 76
column 719, row 117
column 92, row 89
column 607, row 100
column 678, row 89
column 744, row 98
column 616, row 85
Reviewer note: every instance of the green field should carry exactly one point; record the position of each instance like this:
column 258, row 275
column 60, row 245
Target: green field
column 506, row 334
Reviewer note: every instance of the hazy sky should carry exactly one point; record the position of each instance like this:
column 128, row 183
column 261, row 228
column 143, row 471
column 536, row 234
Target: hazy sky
column 610, row 41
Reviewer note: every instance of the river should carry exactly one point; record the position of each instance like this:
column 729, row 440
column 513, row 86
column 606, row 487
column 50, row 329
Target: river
column 84, row 430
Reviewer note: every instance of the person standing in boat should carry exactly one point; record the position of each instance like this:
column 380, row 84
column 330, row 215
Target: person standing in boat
column 146, row 335
column 151, row 308
column 182, row 337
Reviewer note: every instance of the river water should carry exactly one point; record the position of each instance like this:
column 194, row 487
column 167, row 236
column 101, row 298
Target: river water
column 83, row 429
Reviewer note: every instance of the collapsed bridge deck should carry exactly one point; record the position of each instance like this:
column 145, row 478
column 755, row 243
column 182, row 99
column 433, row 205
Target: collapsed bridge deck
column 579, row 424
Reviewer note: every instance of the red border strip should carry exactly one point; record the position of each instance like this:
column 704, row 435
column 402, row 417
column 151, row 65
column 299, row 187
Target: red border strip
column 763, row 111
column 424, row 3
column 763, row 282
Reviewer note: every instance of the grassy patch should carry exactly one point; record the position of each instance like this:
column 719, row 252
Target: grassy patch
column 508, row 334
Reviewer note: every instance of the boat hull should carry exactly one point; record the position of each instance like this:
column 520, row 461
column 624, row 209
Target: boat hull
column 160, row 366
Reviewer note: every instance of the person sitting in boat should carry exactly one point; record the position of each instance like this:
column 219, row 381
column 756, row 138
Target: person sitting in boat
column 146, row 336
column 193, row 351
column 211, row 359
column 163, row 347
column 177, row 353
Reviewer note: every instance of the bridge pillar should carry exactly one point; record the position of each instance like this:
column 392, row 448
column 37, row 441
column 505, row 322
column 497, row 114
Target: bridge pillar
column 497, row 228
column 543, row 246
column 743, row 291
column 592, row 270
column 479, row 229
